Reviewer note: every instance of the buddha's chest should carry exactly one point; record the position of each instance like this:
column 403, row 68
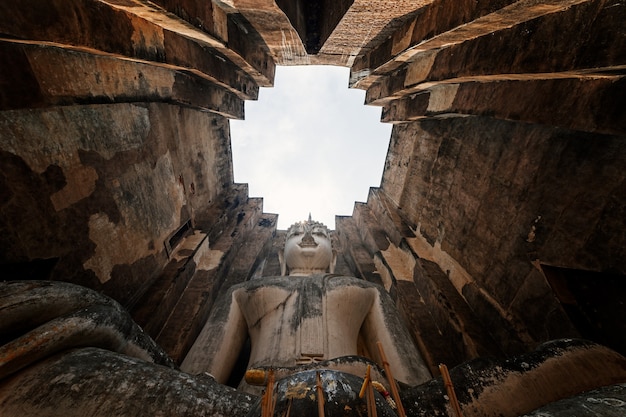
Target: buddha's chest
column 317, row 320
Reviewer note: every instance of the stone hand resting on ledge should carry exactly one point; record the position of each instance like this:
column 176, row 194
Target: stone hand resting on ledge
column 306, row 318
column 69, row 351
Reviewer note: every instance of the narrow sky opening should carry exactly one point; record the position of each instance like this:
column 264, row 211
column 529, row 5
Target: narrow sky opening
column 309, row 145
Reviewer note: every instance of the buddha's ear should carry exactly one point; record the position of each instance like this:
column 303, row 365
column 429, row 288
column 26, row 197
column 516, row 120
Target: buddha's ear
column 281, row 260
column 333, row 262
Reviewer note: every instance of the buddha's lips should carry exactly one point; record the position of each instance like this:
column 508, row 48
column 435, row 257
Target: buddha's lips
column 307, row 245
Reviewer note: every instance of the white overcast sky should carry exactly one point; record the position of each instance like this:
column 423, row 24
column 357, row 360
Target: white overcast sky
column 309, row 144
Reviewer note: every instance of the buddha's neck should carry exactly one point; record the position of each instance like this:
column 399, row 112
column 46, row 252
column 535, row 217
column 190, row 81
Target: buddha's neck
column 306, row 271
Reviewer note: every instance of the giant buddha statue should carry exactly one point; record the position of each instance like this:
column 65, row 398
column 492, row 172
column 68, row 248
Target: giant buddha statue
column 69, row 351
column 308, row 318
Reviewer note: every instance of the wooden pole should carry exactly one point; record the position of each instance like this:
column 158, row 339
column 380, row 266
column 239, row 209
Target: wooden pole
column 368, row 391
column 268, row 402
column 392, row 381
column 371, row 400
column 447, row 381
column 365, row 381
column 320, row 395
column 264, row 405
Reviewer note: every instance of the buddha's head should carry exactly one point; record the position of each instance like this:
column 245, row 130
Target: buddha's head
column 308, row 250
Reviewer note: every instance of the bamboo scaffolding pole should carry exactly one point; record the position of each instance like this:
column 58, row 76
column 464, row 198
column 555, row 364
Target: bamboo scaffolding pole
column 367, row 391
column 365, row 381
column 447, row 381
column 264, row 405
column 371, row 400
column 268, row 402
column 320, row 395
column 392, row 381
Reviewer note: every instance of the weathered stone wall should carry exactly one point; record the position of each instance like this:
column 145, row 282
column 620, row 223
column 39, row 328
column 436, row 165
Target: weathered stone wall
column 221, row 254
column 382, row 249
column 489, row 206
column 114, row 130
column 98, row 189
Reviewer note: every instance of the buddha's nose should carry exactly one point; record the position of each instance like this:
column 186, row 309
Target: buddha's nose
column 307, row 240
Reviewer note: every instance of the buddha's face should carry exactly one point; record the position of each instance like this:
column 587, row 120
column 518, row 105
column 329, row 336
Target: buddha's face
column 308, row 249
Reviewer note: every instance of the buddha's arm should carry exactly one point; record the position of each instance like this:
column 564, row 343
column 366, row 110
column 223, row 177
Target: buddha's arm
column 383, row 324
column 218, row 346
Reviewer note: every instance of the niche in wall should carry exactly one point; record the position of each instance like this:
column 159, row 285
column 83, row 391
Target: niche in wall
column 594, row 301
